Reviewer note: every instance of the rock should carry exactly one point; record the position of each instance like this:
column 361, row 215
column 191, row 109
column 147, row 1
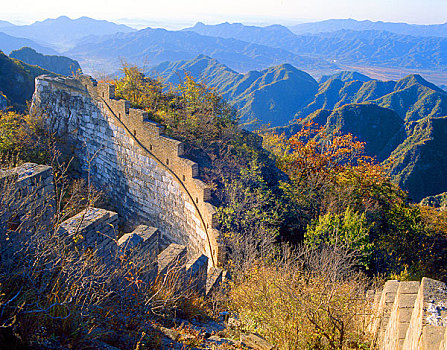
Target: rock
column 256, row 342
column 233, row 323
column 170, row 333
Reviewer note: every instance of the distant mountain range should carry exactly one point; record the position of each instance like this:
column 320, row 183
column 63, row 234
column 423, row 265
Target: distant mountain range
column 57, row 64
column 9, row 43
column 153, row 46
column 62, row 33
column 367, row 47
column 333, row 25
column 400, row 121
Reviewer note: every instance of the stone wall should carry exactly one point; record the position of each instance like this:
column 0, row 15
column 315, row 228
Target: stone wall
column 410, row 316
column 27, row 207
column 143, row 172
column 92, row 228
column 29, row 227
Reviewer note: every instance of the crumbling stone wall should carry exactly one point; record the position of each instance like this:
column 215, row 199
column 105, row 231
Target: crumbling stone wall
column 127, row 156
column 27, row 206
column 28, row 197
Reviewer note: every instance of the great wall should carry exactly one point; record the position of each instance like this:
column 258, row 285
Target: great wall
column 143, row 172
column 155, row 188
column 30, row 216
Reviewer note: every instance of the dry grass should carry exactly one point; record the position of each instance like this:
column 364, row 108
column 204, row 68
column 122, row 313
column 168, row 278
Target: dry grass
column 54, row 294
column 309, row 300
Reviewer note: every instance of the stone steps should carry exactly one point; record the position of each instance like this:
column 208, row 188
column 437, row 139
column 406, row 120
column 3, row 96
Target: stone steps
column 401, row 315
column 382, row 312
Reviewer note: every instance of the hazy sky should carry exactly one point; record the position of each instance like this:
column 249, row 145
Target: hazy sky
column 214, row 11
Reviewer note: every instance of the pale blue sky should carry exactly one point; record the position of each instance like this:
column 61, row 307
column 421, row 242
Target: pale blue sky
column 215, row 11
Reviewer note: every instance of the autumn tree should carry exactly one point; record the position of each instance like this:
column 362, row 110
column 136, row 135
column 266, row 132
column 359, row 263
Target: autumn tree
column 335, row 194
column 326, row 173
column 23, row 138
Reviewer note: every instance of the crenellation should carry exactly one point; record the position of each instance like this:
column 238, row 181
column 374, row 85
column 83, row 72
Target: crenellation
column 106, row 91
column 138, row 115
column 120, row 108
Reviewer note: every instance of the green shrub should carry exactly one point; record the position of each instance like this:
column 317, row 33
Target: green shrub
column 350, row 230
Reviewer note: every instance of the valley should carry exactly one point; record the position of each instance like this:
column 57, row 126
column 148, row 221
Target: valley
column 224, row 186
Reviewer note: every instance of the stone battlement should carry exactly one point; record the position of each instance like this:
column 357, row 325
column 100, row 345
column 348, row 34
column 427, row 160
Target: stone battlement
column 125, row 130
column 28, row 193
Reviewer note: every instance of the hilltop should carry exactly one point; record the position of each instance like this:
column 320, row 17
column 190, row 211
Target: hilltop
column 268, row 96
column 17, row 80
column 57, row 64
column 412, row 97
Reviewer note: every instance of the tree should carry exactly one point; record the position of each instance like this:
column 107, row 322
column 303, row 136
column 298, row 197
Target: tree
column 249, row 217
column 328, row 173
column 350, row 231
column 141, row 91
column 23, row 138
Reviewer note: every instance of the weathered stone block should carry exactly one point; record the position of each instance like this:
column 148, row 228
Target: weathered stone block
column 173, row 257
column 214, row 279
column 196, row 273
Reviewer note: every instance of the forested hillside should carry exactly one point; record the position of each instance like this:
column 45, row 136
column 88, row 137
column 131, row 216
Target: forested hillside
column 380, row 113
column 57, row 64
column 17, row 80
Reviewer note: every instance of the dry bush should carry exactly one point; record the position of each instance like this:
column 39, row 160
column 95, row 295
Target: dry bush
column 306, row 300
column 53, row 290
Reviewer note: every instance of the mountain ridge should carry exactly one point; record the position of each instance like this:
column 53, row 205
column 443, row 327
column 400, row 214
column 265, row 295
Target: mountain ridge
column 10, row 43
column 270, row 95
column 159, row 45
column 57, row 64
column 352, row 24
column 62, row 32
column 17, row 80
column 367, row 47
